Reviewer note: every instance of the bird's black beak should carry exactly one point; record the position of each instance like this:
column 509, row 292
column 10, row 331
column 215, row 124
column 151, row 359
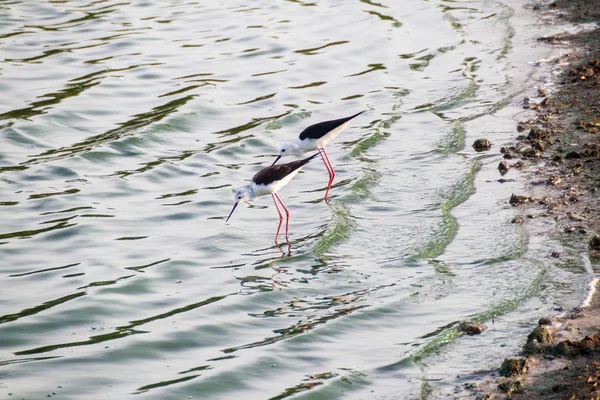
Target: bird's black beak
column 232, row 210
column 277, row 159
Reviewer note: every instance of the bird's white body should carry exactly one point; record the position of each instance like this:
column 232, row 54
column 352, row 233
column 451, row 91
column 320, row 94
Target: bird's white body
column 301, row 147
column 268, row 181
column 254, row 191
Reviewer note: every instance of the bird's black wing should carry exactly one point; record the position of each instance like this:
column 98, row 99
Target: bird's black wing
column 319, row 130
column 279, row 171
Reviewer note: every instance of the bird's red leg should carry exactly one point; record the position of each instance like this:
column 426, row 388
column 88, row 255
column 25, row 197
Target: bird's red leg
column 280, row 215
column 325, row 159
column 287, row 213
column 329, row 169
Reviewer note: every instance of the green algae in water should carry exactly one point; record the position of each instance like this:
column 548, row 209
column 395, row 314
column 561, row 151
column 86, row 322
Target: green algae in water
column 455, row 140
column 514, row 252
column 342, row 226
column 501, row 308
column 361, row 188
column 368, row 143
column 448, row 226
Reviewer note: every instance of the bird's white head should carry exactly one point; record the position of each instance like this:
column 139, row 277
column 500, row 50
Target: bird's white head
column 289, row 149
column 243, row 194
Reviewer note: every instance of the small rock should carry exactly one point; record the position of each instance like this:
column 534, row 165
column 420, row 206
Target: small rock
column 513, row 366
column 573, row 154
column 554, row 180
column 540, row 335
column 517, row 220
column 574, row 217
column 511, row 386
column 577, row 168
column 555, row 254
column 472, row 328
column 519, row 165
column 516, row 200
column 544, row 321
column 503, row 167
column 482, row 144
column 533, row 153
column 594, row 244
column 560, row 387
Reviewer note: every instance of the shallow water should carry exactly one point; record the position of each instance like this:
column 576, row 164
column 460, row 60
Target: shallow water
column 126, row 127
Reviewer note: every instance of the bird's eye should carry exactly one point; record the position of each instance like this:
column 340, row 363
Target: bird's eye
column 283, row 150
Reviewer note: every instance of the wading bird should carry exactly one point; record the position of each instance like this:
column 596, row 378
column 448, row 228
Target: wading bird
column 270, row 180
column 316, row 137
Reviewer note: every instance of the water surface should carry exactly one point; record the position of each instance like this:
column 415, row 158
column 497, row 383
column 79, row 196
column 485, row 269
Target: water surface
column 126, row 127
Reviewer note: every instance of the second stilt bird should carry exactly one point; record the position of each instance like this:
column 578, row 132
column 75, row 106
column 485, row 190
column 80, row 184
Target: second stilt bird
column 316, row 137
column 268, row 181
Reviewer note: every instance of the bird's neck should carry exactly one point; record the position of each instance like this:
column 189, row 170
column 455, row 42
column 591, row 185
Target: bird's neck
column 251, row 193
column 298, row 146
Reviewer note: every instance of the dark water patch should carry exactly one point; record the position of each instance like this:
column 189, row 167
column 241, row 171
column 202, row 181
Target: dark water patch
column 131, row 238
column 50, row 99
column 252, row 124
column 383, row 17
column 150, row 165
column 33, row 232
column 228, row 357
column 105, row 283
column 44, row 195
column 92, row 340
column 143, row 267
column 73, row 275
column 257, row 99
column 126, row 128
column 39, row 271
column 26, row 360
column 372, row 3
column 68, row 210
column 295, row 330
column 315, row 50
column 354, row 96
column 50, row 53
column 407, row 56
column 37, row 309
column 185, row 193
column 308, row 85
column 302, row 387
column 372, row 67
column 121, row 332
column 182, row 90
column 421, row 63
column 146, row 388
column 269, row 73
column 9, row 203
column 195, row 369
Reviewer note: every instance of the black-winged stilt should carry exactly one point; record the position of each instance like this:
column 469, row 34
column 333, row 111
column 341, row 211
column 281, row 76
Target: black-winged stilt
column 316, row 137
column 270, row 180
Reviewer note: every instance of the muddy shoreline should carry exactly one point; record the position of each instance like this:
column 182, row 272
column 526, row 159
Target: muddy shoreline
column 558, row 152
